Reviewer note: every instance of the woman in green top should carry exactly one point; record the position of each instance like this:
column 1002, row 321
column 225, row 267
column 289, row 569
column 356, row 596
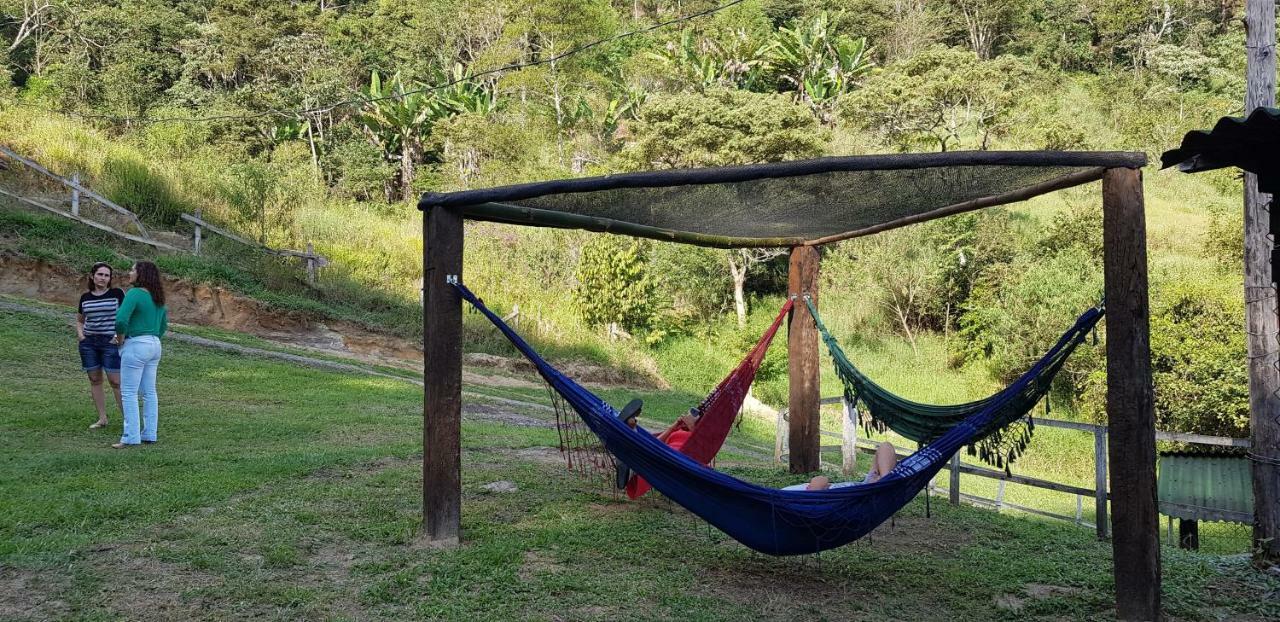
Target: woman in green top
column 140, row 323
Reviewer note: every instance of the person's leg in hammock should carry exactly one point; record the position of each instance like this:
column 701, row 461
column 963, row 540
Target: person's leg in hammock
column 886, row 458
column 675, row 437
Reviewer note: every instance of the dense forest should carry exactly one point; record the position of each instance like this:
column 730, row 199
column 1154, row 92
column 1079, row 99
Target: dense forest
column 322, row 120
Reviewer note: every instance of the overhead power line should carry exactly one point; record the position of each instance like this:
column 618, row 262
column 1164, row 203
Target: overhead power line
column 301, row 112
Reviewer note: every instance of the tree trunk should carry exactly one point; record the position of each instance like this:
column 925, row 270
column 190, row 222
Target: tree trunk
column 406, row 168
column 1261, row 320
column 739, row 273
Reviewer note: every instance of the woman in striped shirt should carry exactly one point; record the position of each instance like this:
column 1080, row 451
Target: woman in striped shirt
column 96, row 329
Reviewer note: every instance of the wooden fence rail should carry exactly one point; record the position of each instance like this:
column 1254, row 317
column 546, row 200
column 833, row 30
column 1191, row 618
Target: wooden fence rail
column 850, row 445
column 313, row 261
column 77, row 190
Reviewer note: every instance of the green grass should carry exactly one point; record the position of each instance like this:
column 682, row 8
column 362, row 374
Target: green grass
column 284, row 493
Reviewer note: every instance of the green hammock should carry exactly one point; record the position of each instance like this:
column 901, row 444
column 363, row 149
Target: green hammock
column 1002, row 440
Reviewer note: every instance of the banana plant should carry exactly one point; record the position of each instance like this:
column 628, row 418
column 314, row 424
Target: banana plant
column 397, row 116
column 818, row 65
column 708, row 62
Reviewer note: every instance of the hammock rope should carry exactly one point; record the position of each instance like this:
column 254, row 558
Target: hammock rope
column 769, row 520
column 999, row 442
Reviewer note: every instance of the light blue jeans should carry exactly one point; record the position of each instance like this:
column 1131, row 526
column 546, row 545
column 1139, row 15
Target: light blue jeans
column 139, row 359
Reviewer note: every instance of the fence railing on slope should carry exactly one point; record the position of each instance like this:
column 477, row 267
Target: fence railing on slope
column 77, row 194
column 313, row 261
column 850, row 445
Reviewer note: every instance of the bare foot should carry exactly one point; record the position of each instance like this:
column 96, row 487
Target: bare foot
column 102, row 423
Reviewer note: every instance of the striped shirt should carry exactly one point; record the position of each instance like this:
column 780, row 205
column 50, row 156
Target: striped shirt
column 100, row 311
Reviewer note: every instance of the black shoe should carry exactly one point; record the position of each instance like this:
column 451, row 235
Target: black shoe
column 624, row 474
column 149, row 442
column 631, row 411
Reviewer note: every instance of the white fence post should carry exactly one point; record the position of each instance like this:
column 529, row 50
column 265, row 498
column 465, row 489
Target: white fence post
column 75, row 194
column 195, row 247
column 1100, row 480
column 849, row 433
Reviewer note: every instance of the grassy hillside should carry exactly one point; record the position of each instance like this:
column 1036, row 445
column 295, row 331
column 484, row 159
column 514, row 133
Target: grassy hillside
column 285, row 493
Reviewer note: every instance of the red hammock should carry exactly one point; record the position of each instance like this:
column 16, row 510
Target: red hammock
column 719, row 409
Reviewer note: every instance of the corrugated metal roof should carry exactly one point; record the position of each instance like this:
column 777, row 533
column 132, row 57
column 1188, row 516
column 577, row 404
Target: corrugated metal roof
column 1206, row 487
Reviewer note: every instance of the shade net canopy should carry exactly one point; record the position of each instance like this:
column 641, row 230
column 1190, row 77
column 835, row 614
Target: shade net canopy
column 787, row 203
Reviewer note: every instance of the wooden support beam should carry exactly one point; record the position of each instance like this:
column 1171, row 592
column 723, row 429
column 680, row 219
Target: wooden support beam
column 1260, row 296
column 802, row 362
column 1130, row 399
column 442, row 378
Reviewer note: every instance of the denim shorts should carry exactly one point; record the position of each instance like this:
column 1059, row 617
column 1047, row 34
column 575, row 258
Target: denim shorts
column 97, row 352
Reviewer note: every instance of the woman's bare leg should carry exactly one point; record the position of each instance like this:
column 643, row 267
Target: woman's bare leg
column 886, row 458
column 113, row 378
column 95, row 390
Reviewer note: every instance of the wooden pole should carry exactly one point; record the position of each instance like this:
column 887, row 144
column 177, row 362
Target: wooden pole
column 442, row 378
column 849, row 438
column 802, row 361
column 195, row 246
column 1260, row 296
column 75, row 194
column 1130, row 398
column 1100, row 482
column 311, row 264
column 954, row 485
column 1188, row 534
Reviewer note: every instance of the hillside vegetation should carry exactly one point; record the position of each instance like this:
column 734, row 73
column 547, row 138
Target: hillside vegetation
column 321, row 121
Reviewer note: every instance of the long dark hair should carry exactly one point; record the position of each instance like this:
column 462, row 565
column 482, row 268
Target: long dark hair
column 88, row 284
column 146, row 274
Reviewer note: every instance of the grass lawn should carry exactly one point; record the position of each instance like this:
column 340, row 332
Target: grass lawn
column 285, row 493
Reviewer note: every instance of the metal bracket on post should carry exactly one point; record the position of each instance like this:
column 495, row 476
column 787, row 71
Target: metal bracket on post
column 451, row 279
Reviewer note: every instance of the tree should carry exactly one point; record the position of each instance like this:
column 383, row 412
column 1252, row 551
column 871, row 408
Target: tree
column 615, row 288
column 944, row 97
column 986, row 22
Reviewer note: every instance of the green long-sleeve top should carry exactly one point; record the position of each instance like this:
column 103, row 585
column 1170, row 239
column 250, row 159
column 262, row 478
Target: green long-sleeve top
column 138, row 315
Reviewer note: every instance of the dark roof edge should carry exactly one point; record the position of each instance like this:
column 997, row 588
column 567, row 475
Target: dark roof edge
column 728, row 174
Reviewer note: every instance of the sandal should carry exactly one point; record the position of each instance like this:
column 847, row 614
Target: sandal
column 98, row 424
column 120, row 446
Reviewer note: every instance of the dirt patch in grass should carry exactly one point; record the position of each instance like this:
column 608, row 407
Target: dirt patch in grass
column 485, row 412
column 907, row 535
column 28, row 594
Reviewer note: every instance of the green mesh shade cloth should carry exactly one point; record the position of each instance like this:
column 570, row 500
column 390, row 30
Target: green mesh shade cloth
column 1001, row 440
column 787, row 203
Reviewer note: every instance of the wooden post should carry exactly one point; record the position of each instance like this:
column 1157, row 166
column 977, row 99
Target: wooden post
column 780, row 440
column 75, row 194
column 802, row 361
column 1130, row 398
column 954, row 485
column 1260, row 296
column 849, row 438
column 195, row 246
column 1188, row 534
column 311, row 264
column 442, row 378
column 1100, row 481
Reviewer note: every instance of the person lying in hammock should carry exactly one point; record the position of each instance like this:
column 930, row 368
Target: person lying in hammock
column 675, row 436
column 886, row 458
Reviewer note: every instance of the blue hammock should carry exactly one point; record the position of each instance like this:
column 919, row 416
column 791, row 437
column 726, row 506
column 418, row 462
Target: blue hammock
column 769, row 520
